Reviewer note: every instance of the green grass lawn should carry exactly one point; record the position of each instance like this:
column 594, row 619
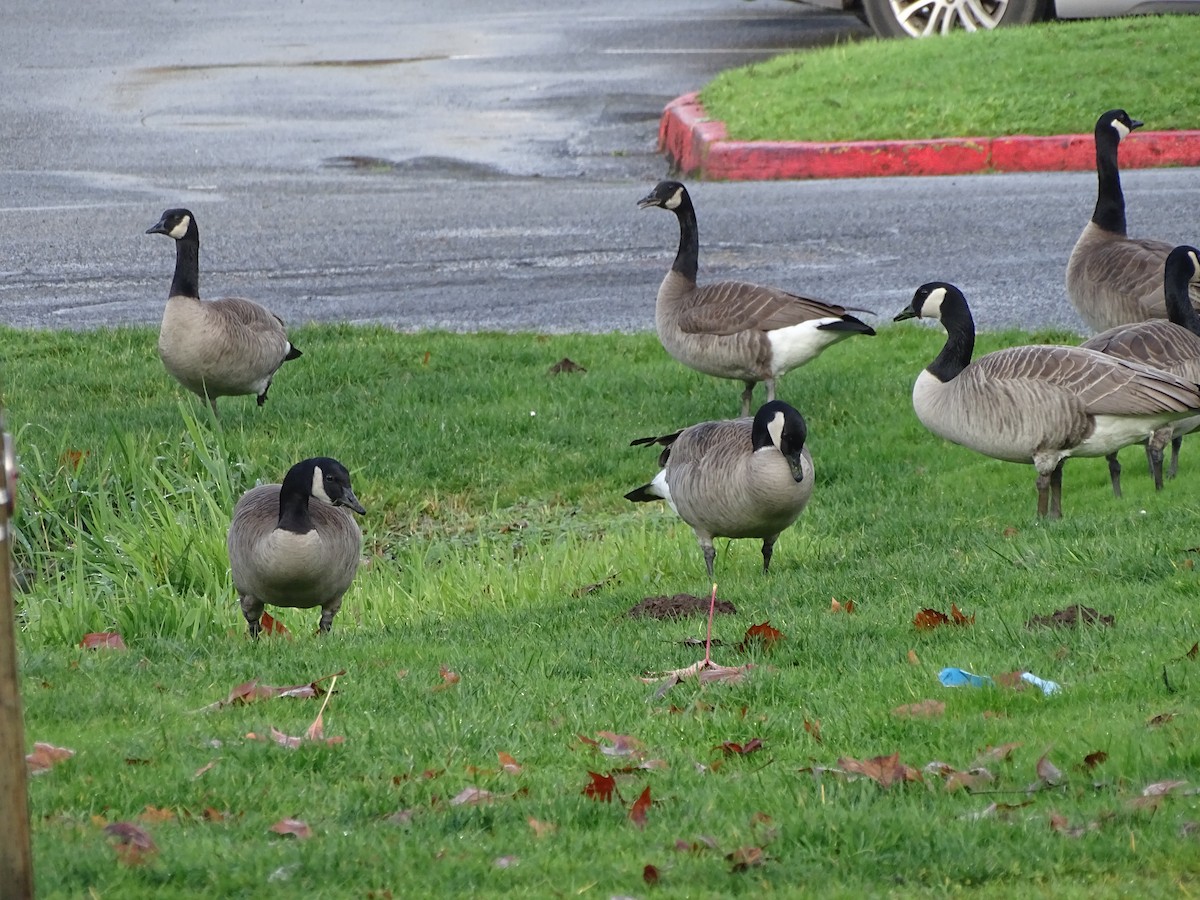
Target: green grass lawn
column 494, row 499
column 1050, row 78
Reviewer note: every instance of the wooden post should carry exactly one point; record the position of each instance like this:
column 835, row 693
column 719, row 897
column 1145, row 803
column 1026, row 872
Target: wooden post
column 16, row 859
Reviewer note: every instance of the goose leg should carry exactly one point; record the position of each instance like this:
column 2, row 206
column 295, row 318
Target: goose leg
column 746, row 396
column 770, row 383
column 768, row 549
column 1043, row 489
column 252, row 609
column 328, row 611
column 1154, row 453
column 1114, row 472
column 710, row 554
column 1176, row 443
column 1056, row 491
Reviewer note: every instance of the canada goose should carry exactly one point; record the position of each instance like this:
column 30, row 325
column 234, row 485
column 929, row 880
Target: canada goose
column 289, row 544
column 737, row 478
column 217, row 348
column 1172, row 346
column 1113, row 279
column 1037, row 404
column 732, row 329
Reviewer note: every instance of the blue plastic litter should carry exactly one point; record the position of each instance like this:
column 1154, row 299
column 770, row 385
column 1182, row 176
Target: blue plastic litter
column 952, row 677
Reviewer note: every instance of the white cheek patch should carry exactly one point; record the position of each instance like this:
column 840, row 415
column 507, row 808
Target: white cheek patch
column 318, row 485
column 931, row 308
column 675, row 200
column 181, row 229
column 775, row 429
column 1195, row 266
column 1121, row 129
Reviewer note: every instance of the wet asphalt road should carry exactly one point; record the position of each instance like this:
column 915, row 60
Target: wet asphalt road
column 471, row 167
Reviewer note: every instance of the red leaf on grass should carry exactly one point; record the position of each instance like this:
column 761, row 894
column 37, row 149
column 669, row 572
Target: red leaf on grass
column 449, row 679
column 600, row 788
column 296, row 828
column 814, row 729
column 103, row 640
column 959, row 618
column 253, row 690
column 926, row 709
column 847, row 607
column 156, row 814
column 763, row 634
column 133, row 844
column 637, row 812
column 650, row 875
column 731, row 748
column 928, row 619
column 44, row 756
column 508, row 765
column 1094, row 759
column 271, row 625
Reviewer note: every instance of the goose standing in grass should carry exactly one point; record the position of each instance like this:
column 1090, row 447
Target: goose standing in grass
column 1172, row 346
column 291, row 545
column 217, row 348
column 1113, row 279
column 1037, row 404
column 733, row 329
column 738, row 478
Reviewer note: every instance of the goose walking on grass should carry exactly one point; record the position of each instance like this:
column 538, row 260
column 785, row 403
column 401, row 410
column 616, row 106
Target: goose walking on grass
column 216, row 348
column 294, row 544
column 738, row 478
column 1037, row 404
column 733, row 329
column 1172, row 345
column 1113, row 279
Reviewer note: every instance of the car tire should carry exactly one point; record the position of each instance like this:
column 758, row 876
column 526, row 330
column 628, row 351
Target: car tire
column 918, row 18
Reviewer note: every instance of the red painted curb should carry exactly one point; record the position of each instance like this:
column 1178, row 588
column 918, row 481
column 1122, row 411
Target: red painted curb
column 699, row 147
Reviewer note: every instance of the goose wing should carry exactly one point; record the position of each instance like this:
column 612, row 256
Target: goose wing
column 727, row 307
column 1156, row 342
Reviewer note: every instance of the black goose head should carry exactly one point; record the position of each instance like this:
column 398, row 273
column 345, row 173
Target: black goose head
column 1116, row 121
column 776, row 424
column 323, row 478
column 667, row 194
column 176, row 224
column 929, row 299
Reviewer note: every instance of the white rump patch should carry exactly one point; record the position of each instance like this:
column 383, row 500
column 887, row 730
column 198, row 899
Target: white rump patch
column 795, row 345
column 318, row 485
column 181, row 229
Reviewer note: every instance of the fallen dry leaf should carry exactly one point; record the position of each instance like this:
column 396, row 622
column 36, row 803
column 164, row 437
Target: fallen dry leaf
column 814, row 729
column 885, row 770
column 913, row 660
column 566, row 365
column 847, row 607
column 1049, row 775
column 253, row 690
column 637, row 812
column 508, row 765
column 296, row 828
column 1070, row 617
column 153, row 814
column 594, row 586
column 997, row 754
column 541, row 829
column 44, row 756
column 744, row 858
column 133, row 844
column 600, row 788
column 926, row 709
column 449, row 679
column 762, row 634
column 1159, row 720
column 204, row 768
column 1059, row 824
column 1192, row 654
column 959, row 618
column 928, row 619
column 731, row 748
column 472, row 796
column 103, row 640
column 1094, row 759
column 650, row 875
column 270, row 625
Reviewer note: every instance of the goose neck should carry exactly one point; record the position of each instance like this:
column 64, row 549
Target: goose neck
column 1110, row 201
column 687, row 259
column 1179, row 303
column 960, row 343
column 186, row 282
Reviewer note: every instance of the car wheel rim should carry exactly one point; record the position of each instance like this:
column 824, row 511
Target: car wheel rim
column 920, row 18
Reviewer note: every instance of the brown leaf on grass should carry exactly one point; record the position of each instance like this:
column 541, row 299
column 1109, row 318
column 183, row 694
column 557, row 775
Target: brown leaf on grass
column 999, row 810
column 814, row 729
column 253, row 690
column 1049, row 775
column 472, row 796
column 1194, row 652
column 1093, row 759
column 650, row 875
column 270, row 625
column 204, row 768
column 1162, row 788
column 1070, row 617
column 926, row 709
column 612, row 744
column 1159, row 720
column 847, row 607
column 960, row 618
column 296, row 828
column 970, row 781
column 508, row 765
column 594, row 586
column 600, row 788
column 885, row 770
column 732, row 748
column 762, row 634
column 913, row 659
column 541, row 829
column 449, row 679
column 1011, row 680
column 103, row 640
column 44, row 756
column 996, row 754
column 565, row 365
column 73, row 459
column 1059, row 824
column 153, row 814
column 928, row 619
column 705, row 674
column 745, row 858
column 637, row 812
column 134, row 845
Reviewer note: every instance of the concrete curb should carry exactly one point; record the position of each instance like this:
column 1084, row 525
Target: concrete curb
column 698, row 147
